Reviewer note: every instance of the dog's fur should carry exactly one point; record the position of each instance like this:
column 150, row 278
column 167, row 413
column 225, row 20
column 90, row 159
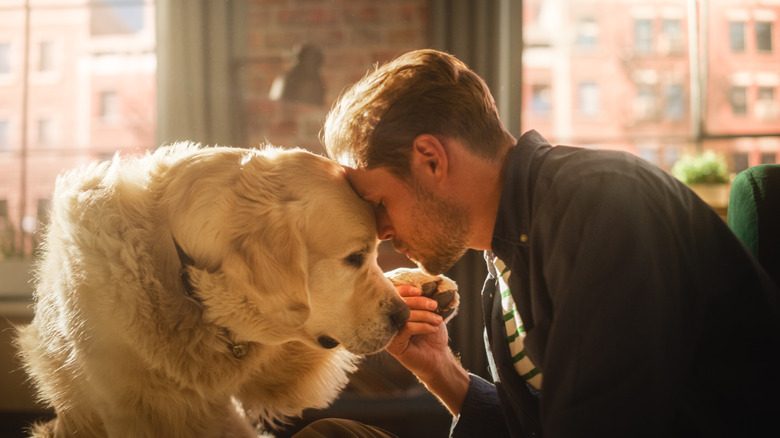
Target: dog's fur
column 274, row 294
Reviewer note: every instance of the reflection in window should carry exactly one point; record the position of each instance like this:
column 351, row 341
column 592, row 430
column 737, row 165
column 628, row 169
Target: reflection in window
column 738, row 100
column 737, row 36
column 764, row 36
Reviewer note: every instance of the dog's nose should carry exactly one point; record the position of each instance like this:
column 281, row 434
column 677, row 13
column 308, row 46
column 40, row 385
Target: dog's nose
column 399, row 314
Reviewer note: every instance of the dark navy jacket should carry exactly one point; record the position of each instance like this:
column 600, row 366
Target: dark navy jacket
column 644, row 313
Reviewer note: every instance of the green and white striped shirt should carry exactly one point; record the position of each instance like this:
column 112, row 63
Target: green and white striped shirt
column 515, row 330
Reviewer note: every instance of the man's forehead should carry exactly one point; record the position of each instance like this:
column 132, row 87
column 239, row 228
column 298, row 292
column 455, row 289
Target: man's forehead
column 366, row 181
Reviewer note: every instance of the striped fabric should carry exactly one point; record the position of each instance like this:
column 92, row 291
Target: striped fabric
column 515, row 330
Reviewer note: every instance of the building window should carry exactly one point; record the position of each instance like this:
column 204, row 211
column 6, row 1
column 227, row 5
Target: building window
column 675, row 102
column 5, row 58
column 740, row 160
column 109, row 105
column 45, row 131
column 643, row 36
column 768, row 158
column 644, row 103
column 541, row 99
column 45, row 56
column 738, row 100
column 672, row 36
column 587, row 33
column 737, row 36
column 5, row 134
column 766, row 105
column 764, row 36
column 589, row 99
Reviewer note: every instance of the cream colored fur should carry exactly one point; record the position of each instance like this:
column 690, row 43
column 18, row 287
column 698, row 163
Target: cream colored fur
column 284, row 255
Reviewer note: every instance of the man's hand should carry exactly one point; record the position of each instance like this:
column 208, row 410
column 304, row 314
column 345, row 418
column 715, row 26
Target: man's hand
column 422, row 344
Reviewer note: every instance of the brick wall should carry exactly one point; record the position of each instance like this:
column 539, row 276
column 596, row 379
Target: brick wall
column 352, row 34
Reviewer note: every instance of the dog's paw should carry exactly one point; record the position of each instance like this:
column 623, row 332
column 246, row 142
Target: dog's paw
column 437, row 287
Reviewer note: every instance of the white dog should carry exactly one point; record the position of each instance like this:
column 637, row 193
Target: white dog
column 200, row 292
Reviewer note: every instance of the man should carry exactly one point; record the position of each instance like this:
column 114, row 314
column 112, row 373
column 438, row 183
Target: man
column 618, row 303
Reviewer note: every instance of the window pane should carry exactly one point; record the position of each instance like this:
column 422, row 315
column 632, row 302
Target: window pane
column 643, row 36
column 763, row 36
column 5, row 58
column 737, row 36
column 78, row 79
column 639, row 91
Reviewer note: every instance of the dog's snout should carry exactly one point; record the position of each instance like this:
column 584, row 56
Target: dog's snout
column 399, row 314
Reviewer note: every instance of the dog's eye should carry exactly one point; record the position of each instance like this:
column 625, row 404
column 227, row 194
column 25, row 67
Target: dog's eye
column 356, row 259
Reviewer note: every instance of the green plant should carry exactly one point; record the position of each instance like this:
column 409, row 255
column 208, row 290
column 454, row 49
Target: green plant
column 705, row 168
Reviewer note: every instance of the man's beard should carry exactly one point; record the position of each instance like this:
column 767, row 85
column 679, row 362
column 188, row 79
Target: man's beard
column 443, row 229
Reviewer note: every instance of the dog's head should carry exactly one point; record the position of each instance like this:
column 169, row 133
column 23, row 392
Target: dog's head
column 282, row 248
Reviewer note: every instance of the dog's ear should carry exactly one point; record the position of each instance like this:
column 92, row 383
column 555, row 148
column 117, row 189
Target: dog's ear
column 267, row 270
column 262, row 278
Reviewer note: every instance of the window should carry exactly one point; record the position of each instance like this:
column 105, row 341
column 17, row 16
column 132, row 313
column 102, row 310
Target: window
column 541, row 99
column 675, row 102
column 646, row 90
column 45, row 131
column 768, row 158
column 738, row 99
column 4, row 135
column 764, row 36
column 587, row 33
column 109, row 105
column 737, row 36
column 116, row 17
column 60, row 113
column 643, row 36
column 644, row 103
column 5, row 58
column 589, row 99
column 672, row 36
column 45, row 56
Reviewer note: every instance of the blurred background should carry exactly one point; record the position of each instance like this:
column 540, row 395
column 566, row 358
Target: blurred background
column 80, row 80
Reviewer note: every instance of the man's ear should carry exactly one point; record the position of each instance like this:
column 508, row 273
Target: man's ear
column 429, row 160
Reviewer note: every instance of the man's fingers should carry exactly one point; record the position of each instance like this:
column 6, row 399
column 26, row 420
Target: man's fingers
column 425, row 316
column 408, row 290
column 421, row 303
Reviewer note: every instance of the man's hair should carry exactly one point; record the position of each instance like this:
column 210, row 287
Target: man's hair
column 375, row 122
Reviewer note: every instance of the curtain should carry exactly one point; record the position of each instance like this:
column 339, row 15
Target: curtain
column 198, row 42
column 487, row 36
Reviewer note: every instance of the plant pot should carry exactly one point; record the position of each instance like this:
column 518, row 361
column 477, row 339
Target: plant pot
column 716, row 195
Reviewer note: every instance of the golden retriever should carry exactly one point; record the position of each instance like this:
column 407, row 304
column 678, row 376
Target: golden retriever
column 202, row 292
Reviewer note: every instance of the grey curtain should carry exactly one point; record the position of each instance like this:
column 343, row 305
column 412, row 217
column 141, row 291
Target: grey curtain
column 198, row 42
column 487, row 36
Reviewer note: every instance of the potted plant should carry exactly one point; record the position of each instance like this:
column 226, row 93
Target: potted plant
column 707, row 175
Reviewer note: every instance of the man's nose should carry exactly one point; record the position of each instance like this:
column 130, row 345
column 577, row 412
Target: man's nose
column 384, row 228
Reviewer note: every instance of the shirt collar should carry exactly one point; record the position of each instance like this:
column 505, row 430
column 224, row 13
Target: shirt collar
column 512, row 226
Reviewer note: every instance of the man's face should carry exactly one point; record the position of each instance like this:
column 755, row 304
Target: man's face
column 429, row 230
